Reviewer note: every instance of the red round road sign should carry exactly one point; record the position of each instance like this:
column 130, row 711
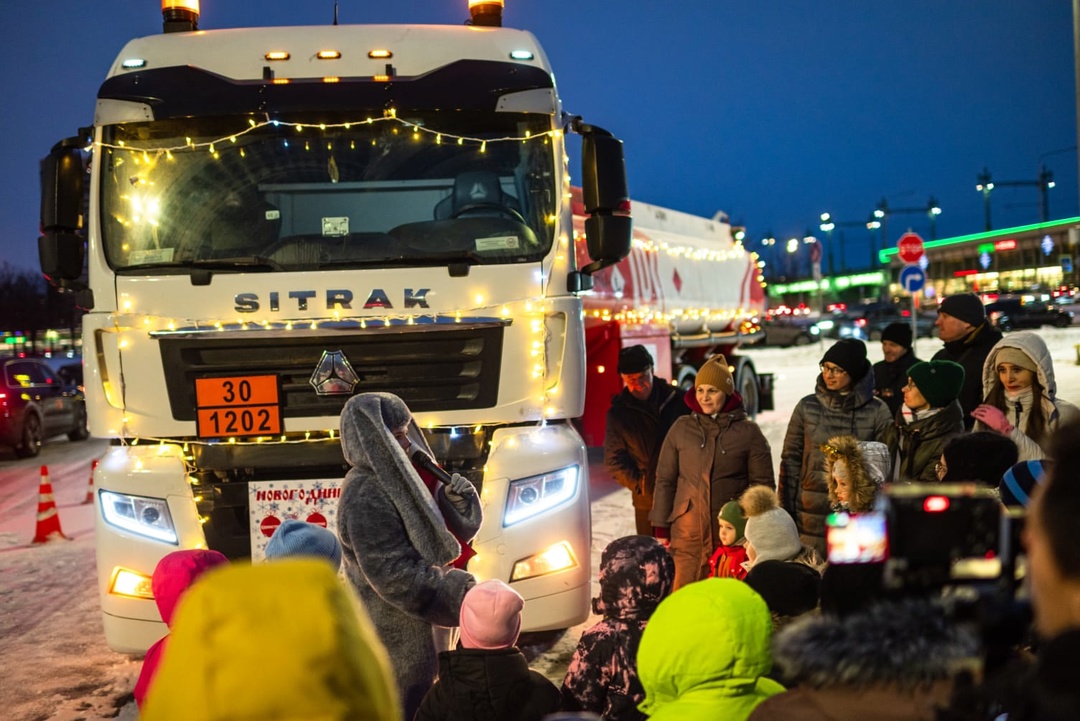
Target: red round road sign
column 910, row 247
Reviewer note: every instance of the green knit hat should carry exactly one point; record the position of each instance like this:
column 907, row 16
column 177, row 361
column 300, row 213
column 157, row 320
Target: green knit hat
column 939, row 381
column 733, row 515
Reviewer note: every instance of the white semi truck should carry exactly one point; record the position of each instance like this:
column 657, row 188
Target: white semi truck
column 263, row 222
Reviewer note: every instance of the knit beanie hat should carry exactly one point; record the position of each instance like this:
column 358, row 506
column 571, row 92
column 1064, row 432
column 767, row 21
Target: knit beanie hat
column 635, row 359
column 731, row 513
column 965, row 306
column 1019, row 482
column 789, row 589
column 981, row 457
column 298, row 538
column 715, row 372
column 491, row 616
column 939, row 381
column 1020, row 359
column 898, row 333
column 849, row 354
column 769, row 528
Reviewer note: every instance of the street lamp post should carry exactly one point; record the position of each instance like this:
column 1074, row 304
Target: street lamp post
column 1044, row 183
column 883, row 211
column 984, row 186
column 933, row 210
column 769, row 242
column 827, row 227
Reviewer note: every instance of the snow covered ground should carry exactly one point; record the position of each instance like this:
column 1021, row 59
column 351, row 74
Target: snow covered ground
column 53, row 659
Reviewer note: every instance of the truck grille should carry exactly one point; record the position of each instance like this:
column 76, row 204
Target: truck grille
column 431, row 368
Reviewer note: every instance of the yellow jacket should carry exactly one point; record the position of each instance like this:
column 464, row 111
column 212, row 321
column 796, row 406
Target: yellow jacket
column 285, row 641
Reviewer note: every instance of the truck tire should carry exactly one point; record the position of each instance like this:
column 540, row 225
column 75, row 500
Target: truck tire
column 746, row 383
column 685, row 376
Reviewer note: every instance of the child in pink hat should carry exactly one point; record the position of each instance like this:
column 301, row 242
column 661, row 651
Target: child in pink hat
column 487, row 676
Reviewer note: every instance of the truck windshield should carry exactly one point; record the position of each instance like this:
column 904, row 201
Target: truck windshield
column 305, row 193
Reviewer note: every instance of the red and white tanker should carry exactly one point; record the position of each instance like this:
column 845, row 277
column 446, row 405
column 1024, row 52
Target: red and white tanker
column 687, row 290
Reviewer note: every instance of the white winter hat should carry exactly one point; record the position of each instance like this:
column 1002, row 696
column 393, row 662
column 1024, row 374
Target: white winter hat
column 769, row 528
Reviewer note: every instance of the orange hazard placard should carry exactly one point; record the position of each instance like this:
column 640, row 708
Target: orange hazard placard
column 237, row 406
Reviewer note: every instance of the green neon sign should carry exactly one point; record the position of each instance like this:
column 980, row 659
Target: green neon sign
column 884, row 255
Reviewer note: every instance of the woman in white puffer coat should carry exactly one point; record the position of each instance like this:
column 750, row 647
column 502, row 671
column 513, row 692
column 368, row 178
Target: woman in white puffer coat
column 1020, row 395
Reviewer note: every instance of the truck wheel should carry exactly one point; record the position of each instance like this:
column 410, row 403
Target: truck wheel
column 685, row 377
column 747, row 386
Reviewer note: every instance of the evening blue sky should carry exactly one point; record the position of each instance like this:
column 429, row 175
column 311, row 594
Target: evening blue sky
column 773, row 111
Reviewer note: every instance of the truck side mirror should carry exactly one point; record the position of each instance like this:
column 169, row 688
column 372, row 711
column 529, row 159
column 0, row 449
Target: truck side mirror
column 60, row 247
column 608, row 226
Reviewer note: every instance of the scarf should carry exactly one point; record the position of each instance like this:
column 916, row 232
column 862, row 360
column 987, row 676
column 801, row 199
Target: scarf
column 910, row 416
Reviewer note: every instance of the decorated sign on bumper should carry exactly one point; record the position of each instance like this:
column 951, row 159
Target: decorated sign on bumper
column 270, row 503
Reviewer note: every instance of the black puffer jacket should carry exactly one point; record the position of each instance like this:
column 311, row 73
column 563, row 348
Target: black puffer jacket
column 970, row 352
column 803, row 486
column 922, row 441
column 635, row 431
column 890, row 379
column 480, row 685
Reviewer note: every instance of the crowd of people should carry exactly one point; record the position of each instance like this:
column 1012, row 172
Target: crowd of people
column 722, row 605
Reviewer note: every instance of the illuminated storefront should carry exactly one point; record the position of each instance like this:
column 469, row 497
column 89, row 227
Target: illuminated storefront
column 1040, row 256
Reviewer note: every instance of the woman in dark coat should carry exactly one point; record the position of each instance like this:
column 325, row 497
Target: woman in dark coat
column 398, row 539
column 842, row 404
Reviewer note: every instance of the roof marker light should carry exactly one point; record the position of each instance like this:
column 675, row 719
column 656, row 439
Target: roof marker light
column 486, row 13
column 277, row 55
column 521, row 55
column 328, row 55
column 133, row 64
column 380, row 54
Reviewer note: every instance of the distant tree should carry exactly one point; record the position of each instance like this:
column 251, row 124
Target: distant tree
column 31, row 306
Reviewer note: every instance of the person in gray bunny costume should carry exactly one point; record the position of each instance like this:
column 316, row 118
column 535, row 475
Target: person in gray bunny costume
column 398, row 539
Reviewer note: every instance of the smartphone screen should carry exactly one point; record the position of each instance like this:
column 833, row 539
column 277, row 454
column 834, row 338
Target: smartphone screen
column 856, row 538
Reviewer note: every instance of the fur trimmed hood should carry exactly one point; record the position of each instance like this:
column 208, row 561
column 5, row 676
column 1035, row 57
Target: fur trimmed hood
column 907, row 643
column 867, row 464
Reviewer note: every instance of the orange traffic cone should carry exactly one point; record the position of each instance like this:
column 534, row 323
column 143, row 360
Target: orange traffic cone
column 90, row 486
column 48, row 521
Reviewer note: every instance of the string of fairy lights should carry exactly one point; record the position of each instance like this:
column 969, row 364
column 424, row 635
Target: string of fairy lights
column 536, row 310
column 389, row 116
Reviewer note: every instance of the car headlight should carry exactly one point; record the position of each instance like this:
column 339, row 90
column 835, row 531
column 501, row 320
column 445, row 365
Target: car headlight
column 143, row 516
column 826, row 325
column 531, row 496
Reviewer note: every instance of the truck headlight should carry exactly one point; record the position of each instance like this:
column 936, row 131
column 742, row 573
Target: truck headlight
column 143, row 516
column 531, row 496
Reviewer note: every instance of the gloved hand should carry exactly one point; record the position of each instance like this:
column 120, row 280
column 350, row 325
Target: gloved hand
column 460, row 492
column 993, row 418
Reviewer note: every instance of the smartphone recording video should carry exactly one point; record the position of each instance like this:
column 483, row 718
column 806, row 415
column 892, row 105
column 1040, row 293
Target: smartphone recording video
column 856, row 538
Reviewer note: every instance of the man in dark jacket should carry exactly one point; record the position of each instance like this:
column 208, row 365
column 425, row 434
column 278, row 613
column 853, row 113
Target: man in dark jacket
column 639, row 419
column 890, row 375
column 968, row 338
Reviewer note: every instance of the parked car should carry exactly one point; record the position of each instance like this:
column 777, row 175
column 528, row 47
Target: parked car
column 1011, row 313
column 868, row 320
column 788, row 330
column 37, row 404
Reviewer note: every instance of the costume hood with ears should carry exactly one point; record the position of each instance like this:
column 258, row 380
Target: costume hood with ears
column 367, row 441
column 868, row 466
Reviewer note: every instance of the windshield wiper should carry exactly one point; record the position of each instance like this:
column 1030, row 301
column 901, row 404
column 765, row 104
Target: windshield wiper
column 244, row 262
